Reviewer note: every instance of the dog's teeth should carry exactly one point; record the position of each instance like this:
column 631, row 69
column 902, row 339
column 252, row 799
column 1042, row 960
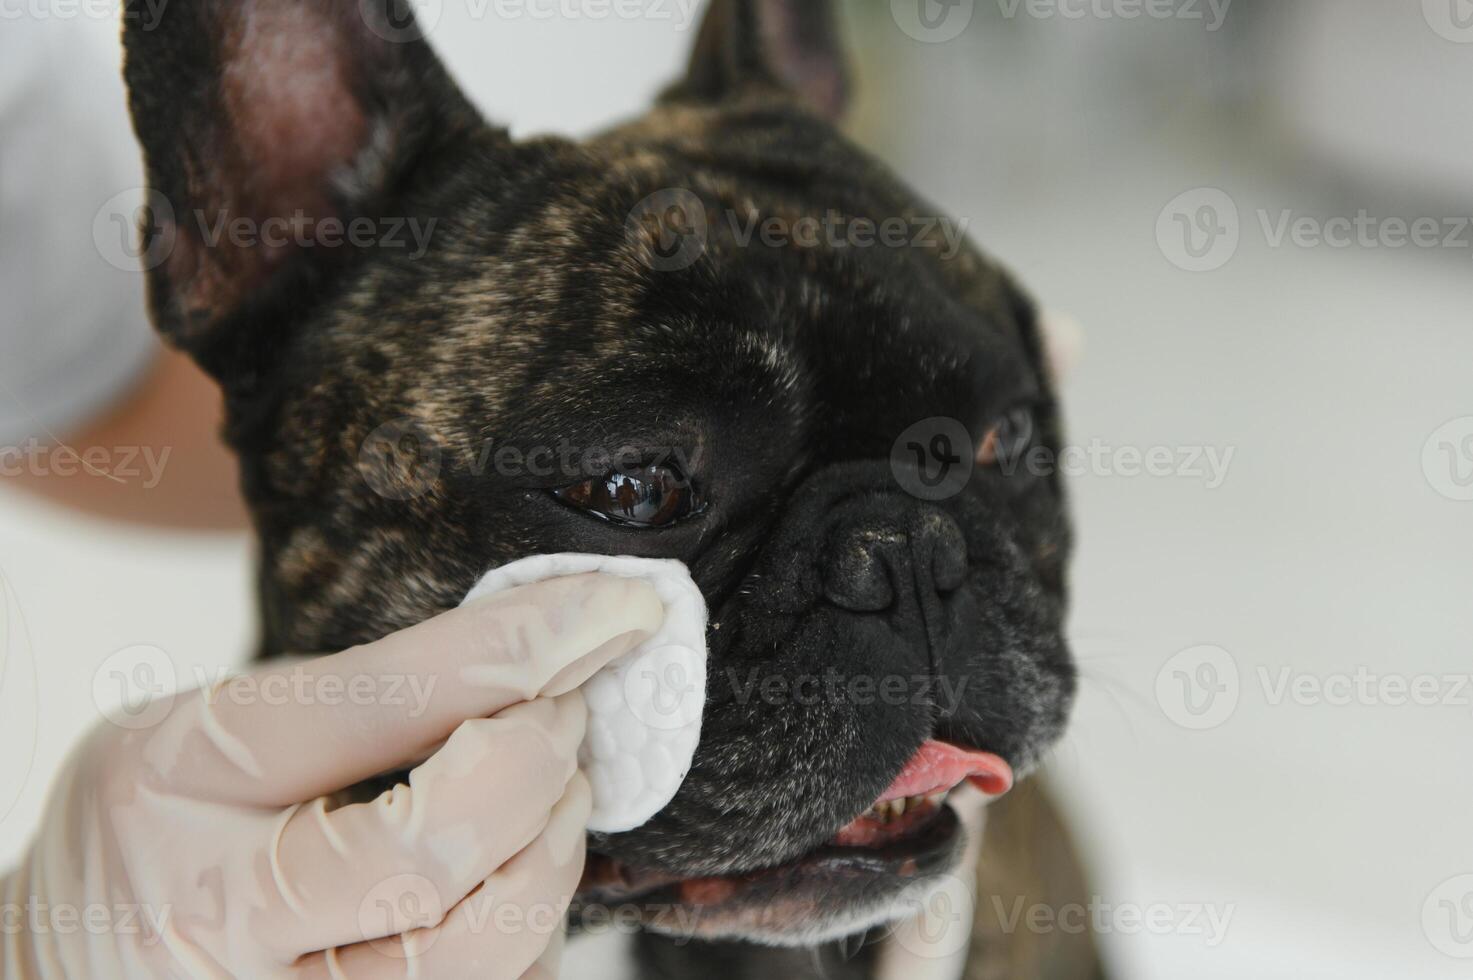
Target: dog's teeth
column 895, row 809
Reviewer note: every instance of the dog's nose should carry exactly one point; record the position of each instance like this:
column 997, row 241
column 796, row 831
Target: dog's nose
column 871, row 561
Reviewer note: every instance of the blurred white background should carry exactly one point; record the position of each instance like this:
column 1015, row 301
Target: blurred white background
column 1335, row 383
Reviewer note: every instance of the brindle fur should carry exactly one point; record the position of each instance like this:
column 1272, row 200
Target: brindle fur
column 785, row 371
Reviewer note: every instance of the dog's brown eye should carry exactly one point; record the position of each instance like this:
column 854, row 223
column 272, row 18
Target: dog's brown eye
column 653, row 496
column 1008, row 438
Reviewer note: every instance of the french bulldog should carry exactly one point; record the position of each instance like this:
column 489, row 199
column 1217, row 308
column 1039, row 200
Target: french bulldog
column 720, row 333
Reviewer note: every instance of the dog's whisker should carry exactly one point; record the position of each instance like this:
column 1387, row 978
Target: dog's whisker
column 1119, row 693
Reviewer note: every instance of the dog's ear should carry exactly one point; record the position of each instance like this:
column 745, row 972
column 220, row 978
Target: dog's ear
column 263, row 123
column 789, row 43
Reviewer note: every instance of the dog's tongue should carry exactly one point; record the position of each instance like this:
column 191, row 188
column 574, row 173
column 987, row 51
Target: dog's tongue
column 939, row 766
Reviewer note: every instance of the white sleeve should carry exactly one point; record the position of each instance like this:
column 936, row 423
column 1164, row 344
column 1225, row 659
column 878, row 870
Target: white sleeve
column 74, row 336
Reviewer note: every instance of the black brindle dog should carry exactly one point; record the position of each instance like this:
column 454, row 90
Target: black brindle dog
column 720, row 333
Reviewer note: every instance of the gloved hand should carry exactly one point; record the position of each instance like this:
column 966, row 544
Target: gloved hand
column 207, row 845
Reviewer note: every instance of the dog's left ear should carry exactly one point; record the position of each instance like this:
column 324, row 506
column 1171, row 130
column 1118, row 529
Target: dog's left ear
column 789, row 44
column 268, row 126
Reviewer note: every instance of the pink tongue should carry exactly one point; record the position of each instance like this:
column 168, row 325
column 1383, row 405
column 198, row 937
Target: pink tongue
column 939, row 766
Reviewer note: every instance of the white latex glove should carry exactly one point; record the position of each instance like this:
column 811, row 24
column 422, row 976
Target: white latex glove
column 207, row 846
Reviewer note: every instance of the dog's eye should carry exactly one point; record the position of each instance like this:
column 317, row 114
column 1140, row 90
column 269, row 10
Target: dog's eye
column 1008, row 439
column 653, row 496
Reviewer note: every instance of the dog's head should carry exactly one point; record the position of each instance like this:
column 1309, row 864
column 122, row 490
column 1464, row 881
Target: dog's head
column 721, row 334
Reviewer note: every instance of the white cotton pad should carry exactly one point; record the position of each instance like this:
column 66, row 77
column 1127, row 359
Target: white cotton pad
column 644, row 709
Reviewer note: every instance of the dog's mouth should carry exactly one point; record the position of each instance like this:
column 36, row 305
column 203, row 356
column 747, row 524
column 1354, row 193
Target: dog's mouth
column 907, row 835
column 918, row 794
